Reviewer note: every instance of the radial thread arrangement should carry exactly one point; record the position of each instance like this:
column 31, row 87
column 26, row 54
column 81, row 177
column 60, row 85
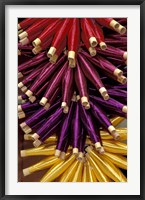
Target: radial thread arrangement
column 73, row 76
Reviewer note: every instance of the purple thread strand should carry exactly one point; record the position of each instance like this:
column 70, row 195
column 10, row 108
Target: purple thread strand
column 51, row 131
column 82, row 140
column 89, row 125
column 41, row 113
column 29, row 106
column 50, row 122
column 76, row 127
column 80, row 81
column 32, row 62
column 67, row 86
column 115, row 107
column 100, row 115
column 34, row 74
column 55, row 81
column 46, row 73
column 64, row 132
column 90, row 72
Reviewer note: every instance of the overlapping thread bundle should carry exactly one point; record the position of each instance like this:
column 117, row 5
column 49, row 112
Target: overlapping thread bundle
column 73, row 78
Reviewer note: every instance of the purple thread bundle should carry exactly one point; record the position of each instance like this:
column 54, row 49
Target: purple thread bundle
column 53, row 129
column 67, row 86
column 50, row 122
column 89, row 125
column 41, row 112
column 46, row 73
column 64, row 131
column 82, row 140
column 32, row 62
column 40, row 90
column 76, row 127
column 119, row 95
column 31, row 76
column 81, row 82
column 101, row 62
column 90, row 72
column 115, row 107
column 111, row 51
column 28, row 106
column 25, row 47
column 55, row 81
column 100, row 115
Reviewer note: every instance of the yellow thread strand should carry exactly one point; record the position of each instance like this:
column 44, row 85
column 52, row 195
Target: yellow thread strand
column 118, row 160
column 43, row 164
column 78, row 174
column 101, row 176
column 116, row 120
column 69, row 173
column 57, row 170
column 107, row 167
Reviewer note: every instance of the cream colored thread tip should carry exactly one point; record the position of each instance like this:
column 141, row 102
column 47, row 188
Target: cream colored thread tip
column 19, row 108
column 57, row 153
column 80, row 156
column 114, row 24
column 103, row 45
column 24, row 41
column 84, row 101
column 20, row 85
column 98, row 145
column 22, row 153
column 27, row 130
column 23, row 35
column 72, row 63
column 26, row 172
column 102, row 151
column 43, row 101
column 71, row 55
column 63, row 104
column 53, row 59
column 66, row 109
column 111, row 129
column 27, row 137
column 124, row 109
column 47, row 106
column 89, row 148
column 36, row 42
column 102, row 90
column 22, row 125
column 121, row 29
column 24, row 89
column 20, row 75
column 118, row 72
column 106, row 97
column 92, row 51
column 32, row 98
column 35, row 136
column 115, row 135
column 122, row 79
column 87, row 107
column 21, row 115
column 125, row 55
column 29, row 93
column 36, row 50
column 51, row 52
column 37, row 143
column 75, row 151
column 62, row 155
column 93, row 41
